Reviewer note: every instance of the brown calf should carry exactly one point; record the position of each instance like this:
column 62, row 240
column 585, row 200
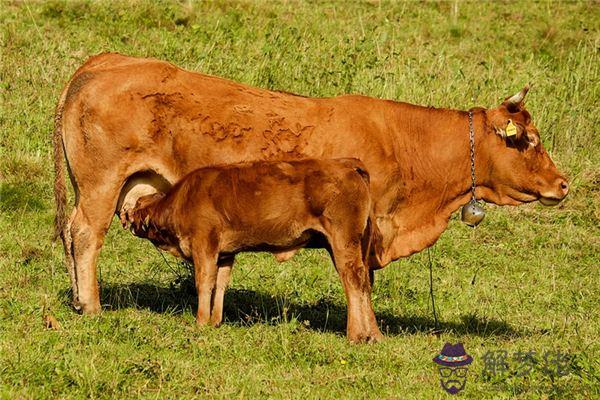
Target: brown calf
column 216, row 212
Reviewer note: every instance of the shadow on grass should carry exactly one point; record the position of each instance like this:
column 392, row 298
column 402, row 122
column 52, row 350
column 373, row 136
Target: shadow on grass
column 19, row 196
column 248, row 307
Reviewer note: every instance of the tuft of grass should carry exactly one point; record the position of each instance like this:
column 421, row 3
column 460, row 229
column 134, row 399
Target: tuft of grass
column 526, row 280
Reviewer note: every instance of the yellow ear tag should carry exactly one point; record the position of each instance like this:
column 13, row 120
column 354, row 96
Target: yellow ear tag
column 511, row 129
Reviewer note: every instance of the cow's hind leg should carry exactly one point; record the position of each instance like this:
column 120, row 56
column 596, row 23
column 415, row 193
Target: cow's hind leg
column 90, row 222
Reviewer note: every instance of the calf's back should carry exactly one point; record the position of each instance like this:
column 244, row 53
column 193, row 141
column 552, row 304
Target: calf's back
column 262, row 205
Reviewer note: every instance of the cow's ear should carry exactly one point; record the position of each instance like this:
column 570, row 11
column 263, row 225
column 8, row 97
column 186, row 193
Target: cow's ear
column 514, row 132
column 508, row 129
column 505, row 126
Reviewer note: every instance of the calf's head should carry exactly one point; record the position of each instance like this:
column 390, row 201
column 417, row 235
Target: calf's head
column 139, row 216
column 519, row 169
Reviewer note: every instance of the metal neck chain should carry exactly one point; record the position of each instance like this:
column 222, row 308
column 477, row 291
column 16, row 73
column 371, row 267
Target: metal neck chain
column 472, row 144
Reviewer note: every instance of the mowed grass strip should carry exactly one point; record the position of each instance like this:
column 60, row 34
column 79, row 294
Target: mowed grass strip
column 525, row 280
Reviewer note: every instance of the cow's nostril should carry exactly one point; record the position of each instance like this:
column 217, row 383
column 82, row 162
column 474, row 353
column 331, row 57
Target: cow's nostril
column 564, row 186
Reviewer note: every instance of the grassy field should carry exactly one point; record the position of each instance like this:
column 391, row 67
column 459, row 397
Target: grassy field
column 525, row 280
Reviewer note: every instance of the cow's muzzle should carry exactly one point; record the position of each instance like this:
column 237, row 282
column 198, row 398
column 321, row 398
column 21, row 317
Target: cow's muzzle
column 560, row 192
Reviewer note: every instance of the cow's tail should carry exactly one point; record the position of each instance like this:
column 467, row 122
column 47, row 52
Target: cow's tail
column 60, row 188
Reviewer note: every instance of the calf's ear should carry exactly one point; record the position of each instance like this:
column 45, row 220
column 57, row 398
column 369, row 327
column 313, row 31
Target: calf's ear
column 145, row 223
column 124, row 218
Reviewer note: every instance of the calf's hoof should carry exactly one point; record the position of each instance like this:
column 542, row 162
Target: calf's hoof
column 375, row 336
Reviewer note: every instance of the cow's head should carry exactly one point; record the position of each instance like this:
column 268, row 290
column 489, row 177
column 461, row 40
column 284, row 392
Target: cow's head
column 519, row 168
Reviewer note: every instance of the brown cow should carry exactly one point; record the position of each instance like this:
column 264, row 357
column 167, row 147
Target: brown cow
column 132, row 126
column 214, row 213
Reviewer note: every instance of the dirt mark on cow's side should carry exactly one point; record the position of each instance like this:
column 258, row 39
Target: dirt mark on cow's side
column 164, row 111
column 283, row 136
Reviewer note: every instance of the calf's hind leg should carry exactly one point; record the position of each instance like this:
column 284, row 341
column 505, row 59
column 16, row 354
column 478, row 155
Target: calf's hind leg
column 205, row 277
column 223, row 278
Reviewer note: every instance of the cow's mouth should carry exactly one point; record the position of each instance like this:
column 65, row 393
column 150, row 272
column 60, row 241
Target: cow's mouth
column 545, row 200
column 553, row 197
column 550, row 201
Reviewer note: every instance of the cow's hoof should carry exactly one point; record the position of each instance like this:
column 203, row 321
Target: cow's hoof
column 76, row 306
column 91, row 309
column 371, row 337
column 215, row 323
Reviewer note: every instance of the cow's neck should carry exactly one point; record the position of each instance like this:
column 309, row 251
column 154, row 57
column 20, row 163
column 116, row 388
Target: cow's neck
column 433, row 178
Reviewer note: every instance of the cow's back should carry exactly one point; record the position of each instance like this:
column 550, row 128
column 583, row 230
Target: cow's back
column 153, row 104
column 150, row 114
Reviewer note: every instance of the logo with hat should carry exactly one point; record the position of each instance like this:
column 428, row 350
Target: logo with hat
column 453, row 367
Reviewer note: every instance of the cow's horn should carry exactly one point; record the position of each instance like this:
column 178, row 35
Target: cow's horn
column 518, row 98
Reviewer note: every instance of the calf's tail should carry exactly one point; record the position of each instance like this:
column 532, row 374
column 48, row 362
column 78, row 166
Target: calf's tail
column 371, row 244
column 357, row 165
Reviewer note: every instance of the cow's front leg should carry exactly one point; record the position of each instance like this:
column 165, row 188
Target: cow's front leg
column 205, row 276
column 223, row 279
column 354, row 274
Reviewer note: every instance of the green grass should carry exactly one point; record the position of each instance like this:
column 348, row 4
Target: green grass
column 526, row 279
